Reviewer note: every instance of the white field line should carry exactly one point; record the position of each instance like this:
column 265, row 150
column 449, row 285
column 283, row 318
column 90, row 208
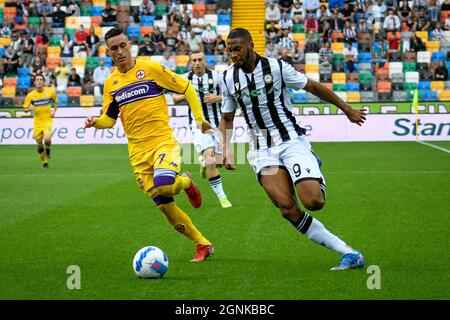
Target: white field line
column 434, row 146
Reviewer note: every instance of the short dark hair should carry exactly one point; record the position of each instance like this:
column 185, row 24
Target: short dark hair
column 38, row 75
column 113, row 32
column 240, row 33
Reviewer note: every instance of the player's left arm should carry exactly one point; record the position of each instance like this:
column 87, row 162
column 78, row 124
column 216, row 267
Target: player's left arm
column 55, row 102
column 297, row 80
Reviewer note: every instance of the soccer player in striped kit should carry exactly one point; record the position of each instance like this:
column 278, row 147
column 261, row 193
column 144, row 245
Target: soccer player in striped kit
column 280, row 155
column 207, row 84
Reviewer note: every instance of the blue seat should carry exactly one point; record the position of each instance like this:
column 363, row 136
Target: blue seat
column 24, row 71
column 335, row 4
column 223, row 19
column 23, row 82
column 352, row 86
column 447, row 64
column 147, row 21
column 433, row 96
column 133, row 32
column 108, row 61
column 424, row 85
column 438, row 56
column 2, row 52
column 364, row 57
column 210, row 59
column 299, row 97
column 424, row 94
column 97, row 11
column 346, row 69
column 63, row 100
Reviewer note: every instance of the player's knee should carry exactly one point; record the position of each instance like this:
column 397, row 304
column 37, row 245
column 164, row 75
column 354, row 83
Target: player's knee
column 40, row 148
column 314, row 203
column 163, row 185
column 48, row 141
column 210, row 162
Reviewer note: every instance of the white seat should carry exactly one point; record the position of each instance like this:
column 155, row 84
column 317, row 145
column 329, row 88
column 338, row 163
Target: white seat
column 313, row 76
column 312, row 58
column 423, row 57
column 395, row 67
column 342, row 95
column 157, row 58
column 211, row 19
column 85, row 21
column 412, row 76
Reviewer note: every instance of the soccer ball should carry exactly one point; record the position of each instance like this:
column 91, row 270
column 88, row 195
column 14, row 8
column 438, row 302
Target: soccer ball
column 150, row 262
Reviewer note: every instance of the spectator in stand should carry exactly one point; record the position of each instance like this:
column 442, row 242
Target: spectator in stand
column 445, row 6
column 146, row 47
column 438, row 33
column 298, row 13
column 27, row 50
column 362, row 26
column 349, row 32
column 58, row 17
column 405, row 11
column 6, row 30
column 323, row 14
column 168, row 61
column 311, row 5
column 73, row 9
column 327, row 31
column 325, row 54
column 350, row 57
column 284, row 56
column 422, row 22
column 221, row 45
column 286, row 23
column 447, row 23
column 311, row 45
column 433, row 11
column 271, row 51
column 285, row 6
column 441, row 72
column 197, row 23
column 158, row 40
column 416, row 44
column 147, row 8
column 377, row 12
column 273, row 13
column 43, row 31
column 109, row 16
column 31, row 29
column 36, row 66
column 272, row 34
column 347, row 13
column 49, row 77
column 209, row 38
column 10, row 62
column 81, row 36
column 311, row 23
column 336, row 21
column 74, row 79
column 392, row 22
column 223, row 6
column 286, row 42
column 44, row 8
column 194, row 42
column 380, row 53
column 93, row 42
column 394, row 41
column 100, row 75
column 171, row 39
column 66, row 45
column 62, row 73
column 299, row 54
column 182, row 49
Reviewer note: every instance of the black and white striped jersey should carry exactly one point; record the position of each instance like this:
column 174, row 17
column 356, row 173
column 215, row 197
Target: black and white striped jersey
column 264, row 100
column 209, row 83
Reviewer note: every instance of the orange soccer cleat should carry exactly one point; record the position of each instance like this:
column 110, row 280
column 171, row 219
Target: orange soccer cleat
column 203, row 251
column 193, row 192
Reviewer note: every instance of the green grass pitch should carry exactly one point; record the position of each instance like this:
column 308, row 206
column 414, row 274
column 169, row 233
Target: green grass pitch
column 390, row 200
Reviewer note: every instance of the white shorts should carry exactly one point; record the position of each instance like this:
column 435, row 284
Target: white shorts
column 295, row 156
column 204, row 141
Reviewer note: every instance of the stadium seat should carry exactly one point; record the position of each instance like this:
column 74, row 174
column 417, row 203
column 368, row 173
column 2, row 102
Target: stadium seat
column 145, row 30
column 352, row 86
column 24, row 72
column 97, row 11
column 342, row 95
column 384, row 86
column 133, row 32
column 87, row 100
column 339, row 77
column 367, row 96
column 182, row 60
column 424, row 85
column 337, row 47
column 313, row 76
column 437, row 86
column 74, row 91
column 395, row 67
column 312, row 58
column 364, row 57
column 299, row 97
column 309, row 68
column 433, row 46
column 147, row 21
column 438, row 56
column 325, row 77
column 54, row 52
column 108, row 61
column 52, row 62
column 10, row 82
column 409, row 66
column 339, row 87
column 412, row 76
column 63, row 100
column 444, row 95
column 211, row 19
column 424, row 57
column 399, row 96
column 210, row 60
column 353, row 97
column 8, row 92
column 223, row 19
column 24, row 82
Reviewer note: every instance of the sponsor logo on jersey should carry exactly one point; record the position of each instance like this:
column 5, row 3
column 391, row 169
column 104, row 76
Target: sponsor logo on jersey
column 41, row 102
column 137, row 91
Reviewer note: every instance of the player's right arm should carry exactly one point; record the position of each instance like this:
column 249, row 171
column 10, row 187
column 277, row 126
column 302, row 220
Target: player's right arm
column 110, row 111
column 226, row 127
column 27, row 103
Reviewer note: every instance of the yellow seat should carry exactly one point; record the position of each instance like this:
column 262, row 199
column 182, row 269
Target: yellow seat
column 9, row 92
column 53, row 51
column 433, row 46
column 182, row 60
column 444, row 95
column 422, row 35
column 5, row 42
column 311, row 68
column 353, row 96
column 437, row 85
column 87, row 100
column 79, row 62
column 300, row 37
column 99, row 3
column 72, row 22
column 102, row 51
column 339, row 77
column 337, row 47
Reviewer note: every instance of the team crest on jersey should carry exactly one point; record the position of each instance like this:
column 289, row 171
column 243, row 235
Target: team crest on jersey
column 210, row 81
column 267, row 78
column 115, row 82
column 140, row 74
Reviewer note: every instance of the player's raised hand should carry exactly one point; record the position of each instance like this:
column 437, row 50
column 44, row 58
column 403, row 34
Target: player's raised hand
column 228, row 160
column 356, row 115
column 90, row 122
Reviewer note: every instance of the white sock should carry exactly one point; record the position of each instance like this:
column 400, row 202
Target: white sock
column 216, row 185
column 316, row 231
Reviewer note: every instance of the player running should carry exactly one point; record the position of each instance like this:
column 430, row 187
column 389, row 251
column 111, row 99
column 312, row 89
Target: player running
column 281, row 157
column 207, row 84
column 135, row 92
column 39, row 102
